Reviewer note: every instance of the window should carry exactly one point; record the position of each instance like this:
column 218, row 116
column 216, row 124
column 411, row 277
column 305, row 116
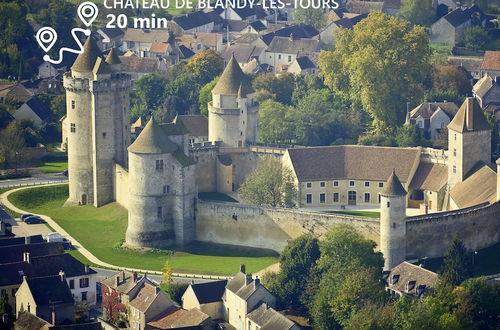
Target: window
column 322, row 197
column 351, row 183
column 84, row 282
column 322, row 184
column 367, row 197
column 309, row 198
column 454, row 152
column 388, row 204
column 72, row 127
column 335, row 183
column 289, row 58
column 309, row 185
column 71, row 284
column 420, row 124
column 279, row 57
column 454, row 169
column 367, row 183
column 159, row 164
column 455, row 137
column 159, row 212
column 104, row 135
column 378, row 198
column 72, row 104
column 335, row 197
column 442, row 124
column 164, row 189
column 84, row 296
column 381, row 185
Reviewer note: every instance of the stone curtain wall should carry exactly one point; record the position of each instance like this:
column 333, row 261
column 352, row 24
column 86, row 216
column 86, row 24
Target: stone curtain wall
column 120, row 184
column 270, row 228
column 429, row 236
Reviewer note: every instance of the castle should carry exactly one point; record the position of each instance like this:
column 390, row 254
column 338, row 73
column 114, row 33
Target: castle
column 158, row 177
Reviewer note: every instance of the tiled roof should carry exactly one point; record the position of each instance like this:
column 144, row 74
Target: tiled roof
column 457, row 17
column 470, row 117
column 299, row 31
column 38, row 107
column 59, row 291
column 258, row 26
column 305, row 62
column 478, row 188
column 287, row 45
column 158, row 48
column 411, row 279
column 393, row 186
column 28, row 321
column 21, row 240
column 152, row 140
column 139, row 64
column 243, row 285
column 231, row 79
column 177, row 318
column 469, row 64
column 11, row 274
column 242, row 52
column 125, row 283
column 352, row 162
column 209, row 39
column 268, row 318
column 112, row 57
column 145, row 296
column 15, row 253
column 236, row 25
column 192, row 20
column 483, row 86
column 491, row 61
column 391, row 4
column 363, row 7
column 197, row 125
column 210, row 291
column 429, row 176
column 112, row 32
column 146, row 36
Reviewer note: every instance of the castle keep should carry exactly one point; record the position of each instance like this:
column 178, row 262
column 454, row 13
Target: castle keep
column 158, row 177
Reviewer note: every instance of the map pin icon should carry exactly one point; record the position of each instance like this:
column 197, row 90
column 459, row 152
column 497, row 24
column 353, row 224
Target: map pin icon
column 87, row 11
column 46, row 38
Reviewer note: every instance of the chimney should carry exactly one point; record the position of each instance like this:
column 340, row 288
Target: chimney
column 87, row 269
column 266, row 306
column 27, row 240
column 248, row 279
column 123, row 274
column 2, row 228
column 157, row 290
column 117, row 278
column 469, row 114
column 242, row 268
column 134, row 277
column 256, row 283
column 53, row 317
column 62, row 276
column 27, row 257
column 192, row 281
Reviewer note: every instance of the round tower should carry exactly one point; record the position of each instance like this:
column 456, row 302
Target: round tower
column 233, row 112
column 97, row 113
column 393, row 222
column 150, row 221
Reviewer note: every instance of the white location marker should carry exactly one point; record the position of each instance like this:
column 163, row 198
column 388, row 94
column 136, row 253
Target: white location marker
column 46, row 38
column 87, row 11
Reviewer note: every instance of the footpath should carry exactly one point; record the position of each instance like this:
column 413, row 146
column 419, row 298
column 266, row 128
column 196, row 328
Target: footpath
column 86, row 253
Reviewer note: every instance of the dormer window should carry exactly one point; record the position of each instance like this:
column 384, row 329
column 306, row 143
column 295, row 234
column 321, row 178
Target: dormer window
column 395, row 279
column 410, row 285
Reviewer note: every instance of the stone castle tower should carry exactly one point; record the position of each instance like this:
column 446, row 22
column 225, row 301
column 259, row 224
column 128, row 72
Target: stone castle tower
column 162, row 188
column 393, row 222
column 233, row 112
column 97, row 105
column 469, row 141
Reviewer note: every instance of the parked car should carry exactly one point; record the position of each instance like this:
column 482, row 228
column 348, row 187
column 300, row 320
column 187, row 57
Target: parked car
column 33, row 219
column 65, row 172
column 24, row 216
column 56, row 237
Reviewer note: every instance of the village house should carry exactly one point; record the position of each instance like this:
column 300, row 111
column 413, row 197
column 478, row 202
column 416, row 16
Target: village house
column 471, row 67
column 244, row 53
column 327, row 35
column 139, row 41
column 432, row 117
column 298, row 31
column 284, row 50
column 13, row 91
column 206, row 297
column 108, row 38
column 304, row 65
column 137, row 67
column 197, row 127
column 31, row 244
column 169, row 53
column 266, row 317
column 410, row 280
column 198, row 21
column 34, row 110
column 487, row 91
column 200, row 41
column 363, row 7
column 250, row 39
column 48, row 297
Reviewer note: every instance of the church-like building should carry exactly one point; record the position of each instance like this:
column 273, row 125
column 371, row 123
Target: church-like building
column 158, row 176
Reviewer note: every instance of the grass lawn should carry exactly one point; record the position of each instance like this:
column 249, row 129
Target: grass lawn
column 486, row 261
column 215, row 196
column 368, row 214
column 101, row 230
column 53, row 166
column 440, row 52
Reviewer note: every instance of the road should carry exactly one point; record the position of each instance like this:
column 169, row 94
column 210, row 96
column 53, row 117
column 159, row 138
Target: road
column 39, row 179
column 105, row 273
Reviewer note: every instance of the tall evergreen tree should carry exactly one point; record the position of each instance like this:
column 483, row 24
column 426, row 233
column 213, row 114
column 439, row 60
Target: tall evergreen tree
column 457, row 265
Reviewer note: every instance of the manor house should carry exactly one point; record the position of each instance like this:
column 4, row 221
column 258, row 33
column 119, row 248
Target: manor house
column 158, row 176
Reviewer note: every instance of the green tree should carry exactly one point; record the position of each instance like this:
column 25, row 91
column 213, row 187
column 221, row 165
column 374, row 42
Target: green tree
column 475, row 37
column 485, row 302
column 275, row 123
column 279, row 88
column 409, row 135
column 383, row 62
column 58, row 106
column 296, row 262
column 151, row 89
column 312, row 16
column 60, row 15
column 5, row 307
column 270, row 183
column 12, row 142
column 166, row 273
column 206, row 96
column 457, row 265
column 420, row 12
column 205, row 66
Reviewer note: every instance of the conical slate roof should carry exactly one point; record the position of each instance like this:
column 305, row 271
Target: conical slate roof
column 101, row 67
column 85, row 61
column 231, row 79
column 112, row 57
column 152, row 140
column 470, row 117
column 393, row 186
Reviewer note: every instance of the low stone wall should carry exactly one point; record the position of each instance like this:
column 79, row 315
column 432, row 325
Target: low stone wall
column 270, row 228
column 430, row 235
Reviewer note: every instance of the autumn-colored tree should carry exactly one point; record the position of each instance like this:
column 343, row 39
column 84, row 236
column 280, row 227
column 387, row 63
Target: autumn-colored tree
column 112, row 304
column 205, row 66
column 382, row 62
column 449, row 79
column 167, row 273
